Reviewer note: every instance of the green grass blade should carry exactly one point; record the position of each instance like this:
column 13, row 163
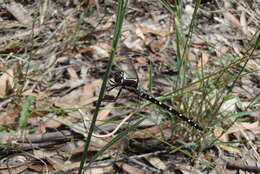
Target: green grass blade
column 119, row 21
column 150, row 78
column 116, row 139
column 233, row 116
column 25, row 112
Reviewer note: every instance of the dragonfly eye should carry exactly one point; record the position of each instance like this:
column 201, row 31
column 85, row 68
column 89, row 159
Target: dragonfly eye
column 119, row 77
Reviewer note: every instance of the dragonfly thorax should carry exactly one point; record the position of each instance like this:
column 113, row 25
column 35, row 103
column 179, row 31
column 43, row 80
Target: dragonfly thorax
column 121, row 80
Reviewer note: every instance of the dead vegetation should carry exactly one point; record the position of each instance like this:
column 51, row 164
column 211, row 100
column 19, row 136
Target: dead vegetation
column 204, row 63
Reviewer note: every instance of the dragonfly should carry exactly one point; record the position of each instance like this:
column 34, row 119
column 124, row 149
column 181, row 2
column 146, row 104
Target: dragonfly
column 132, row 85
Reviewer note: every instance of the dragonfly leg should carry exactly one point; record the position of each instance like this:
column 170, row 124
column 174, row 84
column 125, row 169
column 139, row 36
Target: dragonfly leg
column 120, row 90
column 112, row 82
column 112, row 87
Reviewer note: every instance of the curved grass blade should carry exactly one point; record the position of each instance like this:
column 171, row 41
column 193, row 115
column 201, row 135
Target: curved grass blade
column 116, row 139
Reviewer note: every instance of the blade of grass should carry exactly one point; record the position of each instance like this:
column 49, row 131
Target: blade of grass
column 244, row 66
column 25, row 111
column 181, row 149
column 234, row 116
column 182, row 41
column 116, row 139
column 238, row 75
column 119, row 21
column 235, row 63
column 176, row 13
column 150, row 77
column 193, row 20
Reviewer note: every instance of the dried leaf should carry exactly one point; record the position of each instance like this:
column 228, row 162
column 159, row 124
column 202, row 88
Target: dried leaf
column 103, row 114
column 99, row 52
column 16, row 170
column 192, row 56
column 88, row 92
column 244, row 23
column 187, row 169
column 69, row 100
column 9, row 117
column 154, row 29
column 73, row 74
column 229, row 105
column 157, row 45
column 19, row 12
column 225, row 138
column 40, row 168
column 6, row 82
column 232, row 19
column 139, row 33
column 156, row 162
column 253, row 127
column 130, row 169
column 141, row 60
column 134, row 43
column 50, row 123
column 223, row 50
column 149, row 132
column 204, row 60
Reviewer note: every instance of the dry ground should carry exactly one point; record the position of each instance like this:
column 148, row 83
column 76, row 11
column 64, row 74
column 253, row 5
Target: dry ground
column 54, row 54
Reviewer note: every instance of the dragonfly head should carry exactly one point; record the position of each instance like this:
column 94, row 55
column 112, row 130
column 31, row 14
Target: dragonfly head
column 119, row 77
